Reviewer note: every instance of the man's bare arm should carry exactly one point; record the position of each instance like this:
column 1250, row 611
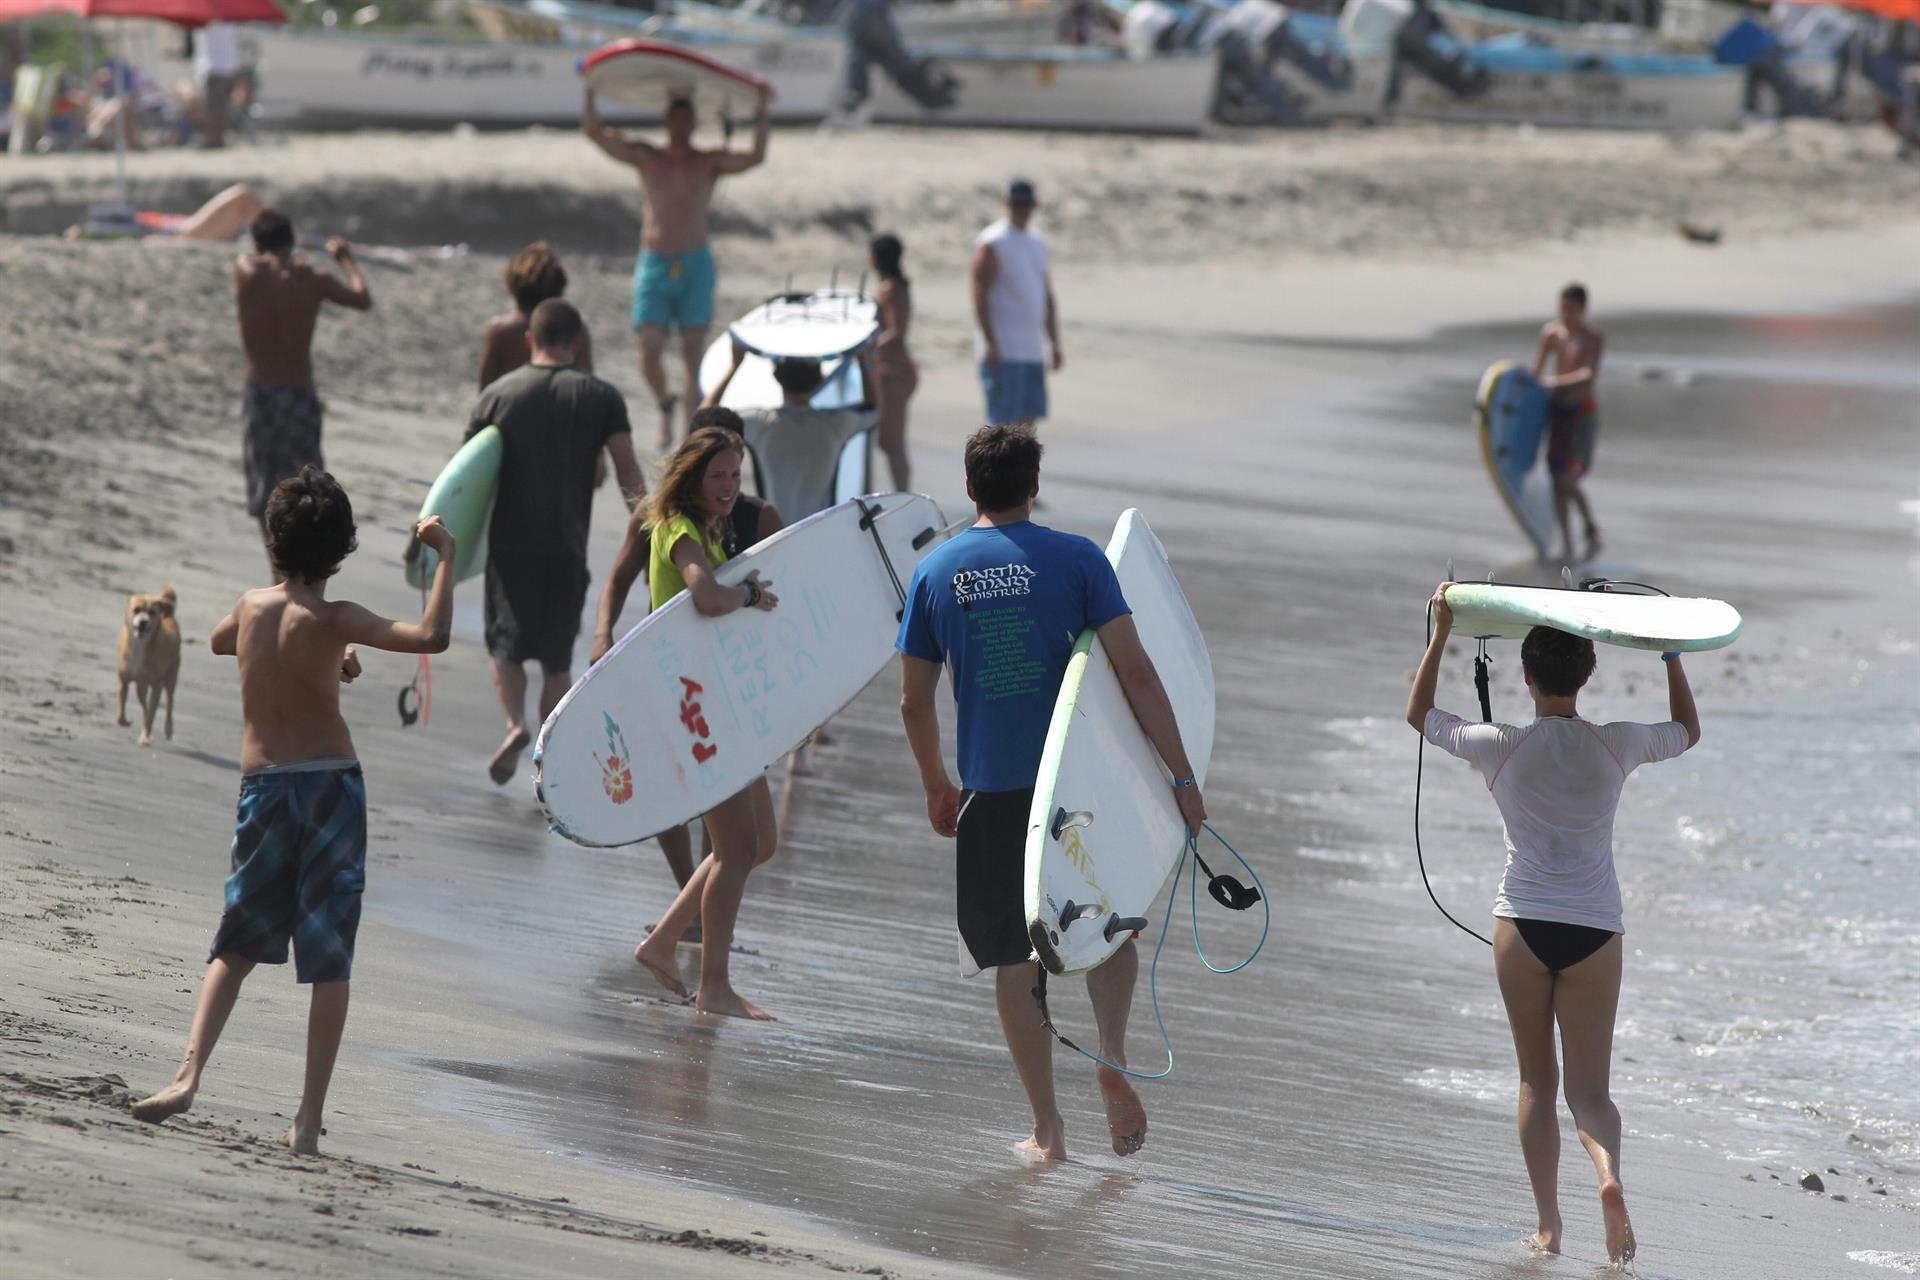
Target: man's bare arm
column 919, row 681
column 1585, row 375
column 1151, row 707
column 1546, row 347
column 719, row 392
column 986, row 268
column 626, row 469
column 729, row 162
column 353, row 293
column 1053, row 325
column 610, row 140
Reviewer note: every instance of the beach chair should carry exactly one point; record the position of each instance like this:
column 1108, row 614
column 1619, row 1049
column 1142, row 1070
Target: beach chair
column 35, row 87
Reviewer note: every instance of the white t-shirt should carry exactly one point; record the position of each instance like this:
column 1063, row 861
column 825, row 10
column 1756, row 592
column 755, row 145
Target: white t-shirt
column 1557, row 782
column 1017, row 299
column 216, row 50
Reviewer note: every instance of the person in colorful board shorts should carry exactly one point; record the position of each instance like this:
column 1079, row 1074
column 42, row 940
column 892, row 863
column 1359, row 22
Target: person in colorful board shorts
column 300, row 840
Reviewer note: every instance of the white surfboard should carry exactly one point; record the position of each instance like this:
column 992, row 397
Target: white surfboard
column 1664, row 624
column 829, row 325
column 686, row 710
column 1105, row 831
column 832, row 325
column 651, row 73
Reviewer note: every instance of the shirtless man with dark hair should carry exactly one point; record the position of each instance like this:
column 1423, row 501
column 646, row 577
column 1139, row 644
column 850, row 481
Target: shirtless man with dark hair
column 674, row 279
column 277, row 296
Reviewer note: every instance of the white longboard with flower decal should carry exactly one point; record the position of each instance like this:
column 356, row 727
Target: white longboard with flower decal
column 687, row 710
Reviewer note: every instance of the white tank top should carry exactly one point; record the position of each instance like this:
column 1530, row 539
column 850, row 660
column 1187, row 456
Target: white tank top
column 1017, row 299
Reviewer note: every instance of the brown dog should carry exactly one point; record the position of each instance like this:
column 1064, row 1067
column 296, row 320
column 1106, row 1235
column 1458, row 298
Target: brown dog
column 149, row 658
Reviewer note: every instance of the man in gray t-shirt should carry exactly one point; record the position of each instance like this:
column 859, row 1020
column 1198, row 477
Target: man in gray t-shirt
column 796, row 448
column 553, row 420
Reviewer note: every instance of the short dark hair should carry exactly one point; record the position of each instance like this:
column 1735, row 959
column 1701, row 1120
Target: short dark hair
column 555, row 325
column 679, row 104
column 717, row 416
column 309, row 525
column 798, row 377
column 272, row 231
column 1003, row 466
column 1558, row 662
column 1574, row 293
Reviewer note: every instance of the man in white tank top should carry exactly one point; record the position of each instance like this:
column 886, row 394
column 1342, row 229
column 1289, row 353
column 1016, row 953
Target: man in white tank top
column 1014, row 314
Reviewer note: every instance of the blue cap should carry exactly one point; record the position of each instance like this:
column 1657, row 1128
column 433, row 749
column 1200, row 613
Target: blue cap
column 1020, row 191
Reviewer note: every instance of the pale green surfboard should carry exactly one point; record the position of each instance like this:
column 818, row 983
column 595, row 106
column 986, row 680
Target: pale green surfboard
column 1664, row 624
column 463, row 499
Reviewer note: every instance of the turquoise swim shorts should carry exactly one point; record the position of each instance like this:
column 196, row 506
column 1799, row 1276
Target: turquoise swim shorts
column 673, row 290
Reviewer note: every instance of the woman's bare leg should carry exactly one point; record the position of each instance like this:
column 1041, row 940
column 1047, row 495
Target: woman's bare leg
column 1585, row 998
column 736, row 849
column 891, row 392
column 1528, row 988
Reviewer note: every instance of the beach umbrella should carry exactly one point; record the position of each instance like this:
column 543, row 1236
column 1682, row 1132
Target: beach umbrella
column 182, row 13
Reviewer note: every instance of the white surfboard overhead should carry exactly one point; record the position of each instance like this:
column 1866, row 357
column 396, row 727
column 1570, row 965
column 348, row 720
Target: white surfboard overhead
column 1105, row 832
column 686, row 710
column 1663, row 624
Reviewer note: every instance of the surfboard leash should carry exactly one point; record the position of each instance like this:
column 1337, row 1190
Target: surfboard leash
column 1229, row 893
column 870, row 521
column 1480, row 665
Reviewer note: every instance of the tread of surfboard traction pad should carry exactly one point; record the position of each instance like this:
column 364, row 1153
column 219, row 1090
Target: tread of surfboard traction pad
column 1249, row 898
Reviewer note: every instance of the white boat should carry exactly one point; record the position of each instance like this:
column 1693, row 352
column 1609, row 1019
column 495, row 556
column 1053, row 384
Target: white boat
column 328, row 78
column 1540, row 85
column 997, row 23
column 1062, row 87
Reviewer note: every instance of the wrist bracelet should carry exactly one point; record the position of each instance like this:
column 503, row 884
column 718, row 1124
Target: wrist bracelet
column 747, row 595
column 1178, row 785
column 1670, row 657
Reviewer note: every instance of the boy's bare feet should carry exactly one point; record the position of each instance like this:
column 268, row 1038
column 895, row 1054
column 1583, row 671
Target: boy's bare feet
column 1048, row 1143
column 303, row 1141
column 1613, row 1207
column 1126, row 1114
column 507, row 758
column 656, row 957
column 1545, row 1240
column 171, row 1101
column 725, row 1001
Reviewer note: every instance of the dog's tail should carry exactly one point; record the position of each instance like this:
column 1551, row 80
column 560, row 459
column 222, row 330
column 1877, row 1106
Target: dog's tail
column 170, row 599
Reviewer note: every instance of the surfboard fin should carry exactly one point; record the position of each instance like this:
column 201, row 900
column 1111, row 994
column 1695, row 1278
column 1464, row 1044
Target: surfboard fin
column 1118, row 924
column 1077, row 911
column 1063, row 818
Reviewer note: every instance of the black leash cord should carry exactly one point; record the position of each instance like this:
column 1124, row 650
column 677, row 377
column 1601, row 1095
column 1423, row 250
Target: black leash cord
column 1419, row 772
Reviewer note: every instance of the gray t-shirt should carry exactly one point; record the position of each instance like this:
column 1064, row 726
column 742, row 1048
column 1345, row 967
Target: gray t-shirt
column 553, row 421
column 796, row 451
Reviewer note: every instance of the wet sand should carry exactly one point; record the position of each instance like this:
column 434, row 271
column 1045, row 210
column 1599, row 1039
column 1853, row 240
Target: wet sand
column 1310, row 491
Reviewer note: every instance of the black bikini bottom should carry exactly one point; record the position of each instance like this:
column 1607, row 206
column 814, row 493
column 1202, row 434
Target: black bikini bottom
column 1561, row 946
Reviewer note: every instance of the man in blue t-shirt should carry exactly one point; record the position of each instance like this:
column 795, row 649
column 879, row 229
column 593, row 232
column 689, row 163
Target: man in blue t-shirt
column 1001, row 605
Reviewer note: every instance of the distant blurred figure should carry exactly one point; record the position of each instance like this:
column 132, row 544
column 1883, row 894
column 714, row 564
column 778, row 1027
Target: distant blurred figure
column 895, row 376
column 216, row 70
column 532, row 276
column 1014, row 314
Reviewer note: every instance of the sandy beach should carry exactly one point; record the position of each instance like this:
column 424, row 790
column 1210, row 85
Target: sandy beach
column 1271, row 342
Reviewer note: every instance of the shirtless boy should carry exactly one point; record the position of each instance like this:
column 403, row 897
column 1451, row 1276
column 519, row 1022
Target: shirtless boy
column 300, row 847
column 673, row 280
column 278, row 298
column 1573, row 414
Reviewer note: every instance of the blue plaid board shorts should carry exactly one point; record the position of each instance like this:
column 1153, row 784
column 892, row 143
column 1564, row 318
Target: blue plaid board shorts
column 299, row 868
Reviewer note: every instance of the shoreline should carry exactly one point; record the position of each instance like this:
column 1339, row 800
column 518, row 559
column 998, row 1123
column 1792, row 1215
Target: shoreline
column 129, row 477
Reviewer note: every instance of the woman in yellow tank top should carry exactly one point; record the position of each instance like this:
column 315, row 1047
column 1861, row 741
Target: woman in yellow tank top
column 686, row 517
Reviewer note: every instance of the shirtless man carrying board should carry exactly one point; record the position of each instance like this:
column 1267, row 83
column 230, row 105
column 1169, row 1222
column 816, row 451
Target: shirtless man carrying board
column 1573, row 414
column 674, row 278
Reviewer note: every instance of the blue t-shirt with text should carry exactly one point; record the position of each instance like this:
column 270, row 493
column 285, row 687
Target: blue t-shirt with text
column 1002, row 606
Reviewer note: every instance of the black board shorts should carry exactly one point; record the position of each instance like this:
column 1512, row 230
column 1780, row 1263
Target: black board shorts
column 990, row 866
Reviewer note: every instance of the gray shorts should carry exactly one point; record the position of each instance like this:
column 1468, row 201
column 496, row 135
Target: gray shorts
column 281, row 434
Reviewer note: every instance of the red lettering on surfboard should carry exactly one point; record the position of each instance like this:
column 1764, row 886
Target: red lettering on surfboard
column 694, row 722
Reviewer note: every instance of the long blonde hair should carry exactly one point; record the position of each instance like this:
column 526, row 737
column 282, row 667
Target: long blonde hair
column 681, row 474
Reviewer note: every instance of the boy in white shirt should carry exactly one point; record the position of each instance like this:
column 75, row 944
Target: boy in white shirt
column 1557, row 923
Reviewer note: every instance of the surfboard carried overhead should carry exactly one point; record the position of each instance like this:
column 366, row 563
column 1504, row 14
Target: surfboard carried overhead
column 462, row 497
column 1663, row 624
column 686, row 710
column 651, row 73
column 1510, row 412
column 1104, row 832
